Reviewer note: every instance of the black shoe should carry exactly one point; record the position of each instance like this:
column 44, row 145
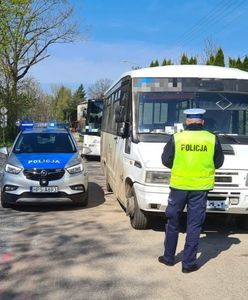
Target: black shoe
column 191, row 269
column 162, row 260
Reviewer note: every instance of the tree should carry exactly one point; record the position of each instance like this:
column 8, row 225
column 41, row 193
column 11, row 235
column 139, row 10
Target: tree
column 27, row 29
column 238, row 63
column 184, row 59
column 151, row 64
column 188, row 61
column 97, row 90
column 156, row 63
column 209, row 51
column 219, row 58
column 193, row 60
column 211, row 60
column 78, row 97
column 61, row 104
column 167, row 62
column 37, row 104
column 245, row 63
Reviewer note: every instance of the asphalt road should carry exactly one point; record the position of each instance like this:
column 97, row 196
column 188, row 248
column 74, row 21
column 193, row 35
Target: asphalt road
column 61, row 252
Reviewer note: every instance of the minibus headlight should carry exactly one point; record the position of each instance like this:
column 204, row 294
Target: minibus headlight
column 157, row 177
column 246, row 181
column 75, row 169
column 12, row 169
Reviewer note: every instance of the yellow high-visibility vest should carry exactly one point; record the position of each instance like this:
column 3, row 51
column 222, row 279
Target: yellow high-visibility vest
column 193, row 166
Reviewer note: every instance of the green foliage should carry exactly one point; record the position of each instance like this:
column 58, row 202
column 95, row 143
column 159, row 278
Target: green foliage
column 238, row 63
column 193, row 60
column 167, row 62
column 151, row 64
column 184, row 59
column 211, row 60
column 219, row 58
column 65, row 104
column 27, row 29
column 245, row 63
column 78, row 97
column 154, row 63
column 62, row 101
column 188, row 61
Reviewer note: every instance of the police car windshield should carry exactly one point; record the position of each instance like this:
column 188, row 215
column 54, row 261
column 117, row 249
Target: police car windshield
column 44, row 143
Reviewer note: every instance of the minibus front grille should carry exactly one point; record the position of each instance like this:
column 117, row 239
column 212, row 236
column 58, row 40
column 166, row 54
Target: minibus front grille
column 231, row 197
column 226, row 179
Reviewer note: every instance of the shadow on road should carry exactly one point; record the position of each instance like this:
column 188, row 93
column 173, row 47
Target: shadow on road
column 217, row 230
column 213, row 244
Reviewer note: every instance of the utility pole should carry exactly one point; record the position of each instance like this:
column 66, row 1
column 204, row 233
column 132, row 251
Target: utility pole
column 3, row 120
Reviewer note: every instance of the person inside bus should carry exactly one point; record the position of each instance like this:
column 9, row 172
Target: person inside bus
column 192, row 155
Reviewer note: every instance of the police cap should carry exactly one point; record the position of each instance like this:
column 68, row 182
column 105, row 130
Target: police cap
column 196, row 113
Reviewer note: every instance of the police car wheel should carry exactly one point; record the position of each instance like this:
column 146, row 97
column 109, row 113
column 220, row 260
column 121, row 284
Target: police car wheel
column 139, row 219
column 3, row 201
column 83, row 203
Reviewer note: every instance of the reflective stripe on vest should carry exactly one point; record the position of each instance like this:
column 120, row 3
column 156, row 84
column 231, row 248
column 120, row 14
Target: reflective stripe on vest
column 193, row 166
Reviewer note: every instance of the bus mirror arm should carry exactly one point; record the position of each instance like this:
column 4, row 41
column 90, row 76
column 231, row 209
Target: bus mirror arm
column 123, row 129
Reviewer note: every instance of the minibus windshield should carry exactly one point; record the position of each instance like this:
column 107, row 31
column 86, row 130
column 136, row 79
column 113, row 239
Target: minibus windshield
column 162, row 112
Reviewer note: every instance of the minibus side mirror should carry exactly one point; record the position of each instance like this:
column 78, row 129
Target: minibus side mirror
column 122, row 129
column 119, row 114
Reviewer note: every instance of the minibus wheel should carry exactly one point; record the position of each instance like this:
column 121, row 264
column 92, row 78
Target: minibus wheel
column 108, row 187
column 242, row 222
column 138, row 220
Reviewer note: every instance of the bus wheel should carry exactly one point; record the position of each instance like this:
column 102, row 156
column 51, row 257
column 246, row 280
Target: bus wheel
column 138, row 219
column 108, row 187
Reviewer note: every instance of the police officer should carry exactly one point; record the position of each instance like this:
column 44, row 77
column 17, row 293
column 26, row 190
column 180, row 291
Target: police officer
column 192, row 155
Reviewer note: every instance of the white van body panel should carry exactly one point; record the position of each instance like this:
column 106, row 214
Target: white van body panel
column 124, row 169
column 93, row 143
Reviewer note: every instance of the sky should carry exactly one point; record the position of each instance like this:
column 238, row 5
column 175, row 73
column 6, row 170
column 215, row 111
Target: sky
column 121, row 35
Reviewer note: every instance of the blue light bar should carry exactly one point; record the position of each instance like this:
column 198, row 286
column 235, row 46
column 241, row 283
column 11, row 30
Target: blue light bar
column 24, row 125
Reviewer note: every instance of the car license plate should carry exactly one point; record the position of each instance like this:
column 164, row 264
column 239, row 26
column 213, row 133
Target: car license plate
column 44, row 189
column 217, row 205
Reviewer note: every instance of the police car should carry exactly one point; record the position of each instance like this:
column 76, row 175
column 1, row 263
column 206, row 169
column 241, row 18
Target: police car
column 44, row 165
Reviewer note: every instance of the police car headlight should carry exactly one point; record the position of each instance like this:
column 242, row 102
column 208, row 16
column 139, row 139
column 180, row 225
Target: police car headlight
column 75, row 169
column 157, row 177
column 12, row 169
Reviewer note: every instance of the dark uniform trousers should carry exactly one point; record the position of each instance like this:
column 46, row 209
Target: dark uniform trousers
column 196, row 213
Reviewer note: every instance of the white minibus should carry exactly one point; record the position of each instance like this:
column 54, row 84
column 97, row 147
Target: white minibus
column 145, row 106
